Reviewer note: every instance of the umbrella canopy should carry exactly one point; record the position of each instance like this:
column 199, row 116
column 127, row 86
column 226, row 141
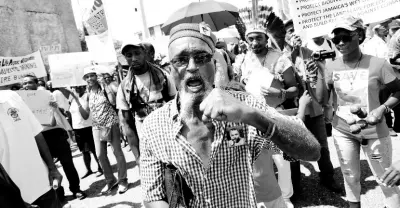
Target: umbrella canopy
column 218, row 15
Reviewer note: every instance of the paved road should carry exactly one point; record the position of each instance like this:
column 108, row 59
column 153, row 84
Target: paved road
column 314, row 195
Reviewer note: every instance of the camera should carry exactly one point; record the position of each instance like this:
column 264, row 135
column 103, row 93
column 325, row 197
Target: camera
column 322, row 55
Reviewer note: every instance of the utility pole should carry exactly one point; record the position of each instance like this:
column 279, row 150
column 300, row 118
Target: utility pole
column 146, row 33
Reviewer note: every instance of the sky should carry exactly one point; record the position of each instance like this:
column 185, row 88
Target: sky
column 124, row 21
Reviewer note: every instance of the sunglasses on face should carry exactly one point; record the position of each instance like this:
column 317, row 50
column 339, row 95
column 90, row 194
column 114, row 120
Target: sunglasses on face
column 345, row 38
column 199, row 59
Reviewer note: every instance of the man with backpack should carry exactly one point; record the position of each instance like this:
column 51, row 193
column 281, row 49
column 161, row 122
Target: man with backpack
column 145, row 88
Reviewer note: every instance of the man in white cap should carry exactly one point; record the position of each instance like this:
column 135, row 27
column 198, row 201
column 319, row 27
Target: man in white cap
column 145, row 88
column 190, row 133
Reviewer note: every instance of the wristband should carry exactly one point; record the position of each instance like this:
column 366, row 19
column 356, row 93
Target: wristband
column 387, row 109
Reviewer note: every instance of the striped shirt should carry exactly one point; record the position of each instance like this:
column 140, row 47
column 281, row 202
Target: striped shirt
column 227, row 181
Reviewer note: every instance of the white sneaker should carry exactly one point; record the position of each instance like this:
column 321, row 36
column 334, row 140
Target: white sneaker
column 288, row 203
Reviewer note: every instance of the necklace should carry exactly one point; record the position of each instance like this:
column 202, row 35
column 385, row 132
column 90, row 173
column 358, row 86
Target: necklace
column 355, row 68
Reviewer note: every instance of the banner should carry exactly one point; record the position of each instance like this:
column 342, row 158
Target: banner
column 97, row 18
column 101, row 47
column 67, row 68
column 38, row 101
column 13, row 69
column 313, row 18
column 47, row 50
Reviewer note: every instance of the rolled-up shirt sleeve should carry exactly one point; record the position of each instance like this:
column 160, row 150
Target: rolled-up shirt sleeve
column 151, row 173
column 120, row 100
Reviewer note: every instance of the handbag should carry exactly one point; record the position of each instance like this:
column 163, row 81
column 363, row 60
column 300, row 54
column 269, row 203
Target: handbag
column 178, row 192
column 105, row 134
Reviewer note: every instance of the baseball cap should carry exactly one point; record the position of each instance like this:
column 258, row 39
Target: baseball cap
column 287, row 23
column 394, row 24
column 131, row 42
column 349, row 23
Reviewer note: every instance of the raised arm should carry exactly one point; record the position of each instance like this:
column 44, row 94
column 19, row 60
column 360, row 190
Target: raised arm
column 290, row 136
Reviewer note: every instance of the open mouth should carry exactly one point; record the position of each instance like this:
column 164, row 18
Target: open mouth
column 195, row 84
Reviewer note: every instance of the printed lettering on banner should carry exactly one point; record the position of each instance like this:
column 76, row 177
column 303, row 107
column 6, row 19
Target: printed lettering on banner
column 313, row 18
column 67, row 68
column 351, row 87
column 38, row 101
column 14, row 69
column 101, row 47
column 97, row 18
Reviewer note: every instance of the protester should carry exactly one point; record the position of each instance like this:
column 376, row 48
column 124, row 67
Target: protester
column 42, row 85
column 261, row 64
column 313, row 76
column 186, row 132
column 375, row 141
column 105, row 129
column 144, row 89
column 321, row 43
column 56, row 138
column 82, row 124
column 377, row 45
column 28, row 163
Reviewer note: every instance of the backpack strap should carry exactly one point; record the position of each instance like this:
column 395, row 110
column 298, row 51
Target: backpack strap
column 108, row 100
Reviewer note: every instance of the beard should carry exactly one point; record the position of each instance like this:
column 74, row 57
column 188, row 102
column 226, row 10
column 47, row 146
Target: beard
column 257, row 49
column 190, row 101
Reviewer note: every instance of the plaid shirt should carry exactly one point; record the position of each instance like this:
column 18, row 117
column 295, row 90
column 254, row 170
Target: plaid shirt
column 227, row 181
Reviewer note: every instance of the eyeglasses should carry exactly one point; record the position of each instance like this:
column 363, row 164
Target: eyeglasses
column 345, row 38
column 199, row 59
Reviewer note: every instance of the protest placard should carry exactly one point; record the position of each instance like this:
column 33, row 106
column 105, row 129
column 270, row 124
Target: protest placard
column 13, row 69
column 313, row 18
column 47, row 50
column 38, row 101
column 97, row 18
column 101, row 47
column 67, row 68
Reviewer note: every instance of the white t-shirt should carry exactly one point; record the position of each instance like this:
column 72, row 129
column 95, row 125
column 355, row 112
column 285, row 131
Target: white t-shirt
column 61, row 100
column 143, row 83
column 19, row 153
column 78, row 122
column 376, row 47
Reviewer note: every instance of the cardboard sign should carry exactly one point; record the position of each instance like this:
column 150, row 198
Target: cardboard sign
column 97, row 18
column 38, row 101
column 67, row 68
column 48, row 50
column 313, row 18
column 13, row 69
column 101, row 47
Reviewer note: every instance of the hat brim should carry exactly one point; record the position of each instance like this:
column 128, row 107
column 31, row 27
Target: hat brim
column 123, row 48
column 83, row 77
column 346, row 27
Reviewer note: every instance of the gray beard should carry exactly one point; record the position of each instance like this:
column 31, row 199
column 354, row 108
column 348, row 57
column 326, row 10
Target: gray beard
column 190, row 103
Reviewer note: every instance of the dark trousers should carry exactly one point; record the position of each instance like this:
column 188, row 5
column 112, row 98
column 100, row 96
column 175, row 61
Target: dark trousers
column 48, row 200
column 316, row 125
column 56, row 139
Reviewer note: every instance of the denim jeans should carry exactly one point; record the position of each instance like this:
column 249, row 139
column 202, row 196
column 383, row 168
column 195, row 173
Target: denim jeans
column 317, row 127
column 101, row 151
column 379, row 156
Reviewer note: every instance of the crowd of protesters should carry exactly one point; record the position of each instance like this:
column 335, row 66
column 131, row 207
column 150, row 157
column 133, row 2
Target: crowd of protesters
column 207, row 126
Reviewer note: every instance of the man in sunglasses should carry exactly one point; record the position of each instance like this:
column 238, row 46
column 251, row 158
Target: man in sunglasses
column 191, row 131
column 145, row 88
column 360, row 75
column 312, row 74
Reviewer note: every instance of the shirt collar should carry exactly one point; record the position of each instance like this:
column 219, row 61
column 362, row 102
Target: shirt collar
column 174, row 116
